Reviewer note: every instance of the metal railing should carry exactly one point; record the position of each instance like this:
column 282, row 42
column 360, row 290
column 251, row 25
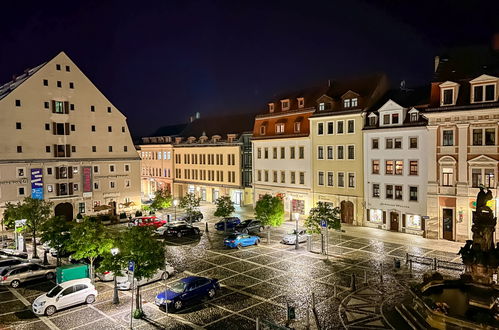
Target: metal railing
column 433, row 262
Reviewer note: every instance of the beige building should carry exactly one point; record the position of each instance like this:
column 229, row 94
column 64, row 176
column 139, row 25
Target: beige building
column 62, row 140
column 337, row 144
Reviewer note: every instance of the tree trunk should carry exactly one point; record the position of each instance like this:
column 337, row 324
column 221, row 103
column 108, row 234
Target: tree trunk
column 92, row 270
column 138, row 301
column 35, row 253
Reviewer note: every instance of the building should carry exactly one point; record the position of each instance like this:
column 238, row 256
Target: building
column 281, row 151
column 396, row 162
column 212, row 158
column 337, row 143
column 63, row 141
column 462, row 138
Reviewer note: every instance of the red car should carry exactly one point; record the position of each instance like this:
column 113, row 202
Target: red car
column 148, row 221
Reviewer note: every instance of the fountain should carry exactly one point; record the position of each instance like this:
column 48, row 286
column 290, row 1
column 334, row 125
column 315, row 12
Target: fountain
column 472, row 301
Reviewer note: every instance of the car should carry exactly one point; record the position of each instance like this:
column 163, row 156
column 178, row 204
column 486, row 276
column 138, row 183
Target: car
column 13, row 261
column 180, row 230
column 105, row 276
column 66, row 294
column 64, row 253
column 232, row 222
column 18, row 274
column 238, row 240
column 187, row 291
column 13, row 253
column 147, row 221
column 123, row 282
column 196, row 217
column 250, row 226
column 291, row 237
column 161, row 230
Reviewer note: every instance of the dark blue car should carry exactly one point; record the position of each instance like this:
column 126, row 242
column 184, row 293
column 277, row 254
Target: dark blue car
column 232, row 222
column 188, row 290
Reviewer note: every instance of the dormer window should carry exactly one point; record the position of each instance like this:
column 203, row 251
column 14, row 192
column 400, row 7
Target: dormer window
column 271, row 107
column 297, row 127
column 285, row 105
column 395, row 118
column 484, row 93
column 301, row 102
column 354, row 102
column 262, row 130
column 448, row 96
column 414, row 116
column 324, row 106
column 279, row 128
column 347, row 103
column 372, row 120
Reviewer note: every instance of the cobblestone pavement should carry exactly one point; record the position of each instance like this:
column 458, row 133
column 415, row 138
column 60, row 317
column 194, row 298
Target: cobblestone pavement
column 257, row 281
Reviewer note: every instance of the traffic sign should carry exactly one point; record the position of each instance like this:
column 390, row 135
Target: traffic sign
column 131, row 266
column 323, row 223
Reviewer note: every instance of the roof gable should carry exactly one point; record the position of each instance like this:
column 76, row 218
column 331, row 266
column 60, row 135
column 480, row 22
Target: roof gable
column 390, row 105
column 484, row 78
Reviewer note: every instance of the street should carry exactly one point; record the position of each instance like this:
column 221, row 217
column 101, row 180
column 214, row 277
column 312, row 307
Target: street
column 257, row 281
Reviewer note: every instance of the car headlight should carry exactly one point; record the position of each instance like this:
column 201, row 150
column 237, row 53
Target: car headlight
column 42, row 303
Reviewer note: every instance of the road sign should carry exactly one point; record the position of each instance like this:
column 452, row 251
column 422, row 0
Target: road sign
column 323, row 223
column 131, row 266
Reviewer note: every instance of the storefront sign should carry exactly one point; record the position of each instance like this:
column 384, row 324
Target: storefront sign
column 37, row 183
column 395, row 205
column 20, row 181
column 86, row 172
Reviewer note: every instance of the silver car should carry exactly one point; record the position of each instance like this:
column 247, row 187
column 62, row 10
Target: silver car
column 18, row 274
column 291, row 237
column 123, row 282
column 161, row 230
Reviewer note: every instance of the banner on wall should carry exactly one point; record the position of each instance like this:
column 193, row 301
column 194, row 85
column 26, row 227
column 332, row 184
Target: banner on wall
column 87, row 178
column 37, row 183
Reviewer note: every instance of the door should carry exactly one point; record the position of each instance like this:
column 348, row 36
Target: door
column 65, row 210
column 203, row 194
column 215, row 195
column 448, row 224
column 394, row 221
column 346, row 210
column 66, row 298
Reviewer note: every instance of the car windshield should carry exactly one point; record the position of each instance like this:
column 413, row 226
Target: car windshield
column 178, row 287
column 4, row 271
column 54, row 291
column 232, row 236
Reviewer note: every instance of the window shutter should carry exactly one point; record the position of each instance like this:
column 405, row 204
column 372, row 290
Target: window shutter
column 55, row 150
column 68, row 150
column 403, row 220
column 57, row 189
column 57, row 173
column 70, row 188
column 53, row 106
column 66, row 107
column 54, row 128
column 384, row 217
column 66, row 128
column 70, row 172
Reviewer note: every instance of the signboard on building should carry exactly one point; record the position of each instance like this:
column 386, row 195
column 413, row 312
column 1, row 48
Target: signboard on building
column 37, row 183
column 86, row 172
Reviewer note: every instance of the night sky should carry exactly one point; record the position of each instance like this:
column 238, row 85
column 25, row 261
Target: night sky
column 161, row 61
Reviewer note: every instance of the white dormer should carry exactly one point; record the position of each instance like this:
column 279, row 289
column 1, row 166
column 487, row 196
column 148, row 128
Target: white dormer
column 391, row 114
column 413, row 115
column 484, row 89
column 301, row 102
column 372, row 119
column 271, row 107
column 285, row 104
column 448, row 93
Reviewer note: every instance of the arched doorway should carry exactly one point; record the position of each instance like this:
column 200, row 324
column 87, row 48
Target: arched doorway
column 346, row 208
column 65, row 210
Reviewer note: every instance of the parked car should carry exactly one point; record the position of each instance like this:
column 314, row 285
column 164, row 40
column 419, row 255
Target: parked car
column 161, row 230
column 188, row 290
column 196, row 217
column 232, row 222
column 291, row 237
column 239, row 240
column 13, row 261
column 64, row 253
column 180, row 230
column 123, row 282
column 250, row 226
column 18, row 274
column 147, row 221
column 65, row 295
column 13, row 253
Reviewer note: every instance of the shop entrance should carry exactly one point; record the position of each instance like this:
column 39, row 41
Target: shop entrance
column 394, row 221
column 238, row 197
column 214, row 195
column 65, row 210
column 346, row 208
column 448, row 224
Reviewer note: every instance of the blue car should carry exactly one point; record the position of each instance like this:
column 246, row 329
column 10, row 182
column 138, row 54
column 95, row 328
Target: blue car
column 188, row 290
column 238, row 240
column 232, row 222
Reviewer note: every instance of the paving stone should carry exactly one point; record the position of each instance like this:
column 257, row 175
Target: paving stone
column 268, row 311
column 236, row 301
column 239, row 281
column 233, row 322
column 265, row 290
column 263, row 273
column 240, row 266
column 77, row 318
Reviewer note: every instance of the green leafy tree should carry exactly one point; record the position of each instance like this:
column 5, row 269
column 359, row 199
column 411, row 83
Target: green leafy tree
column 89, row 239
column 270, row 210
column 225, row 207
column 138, row 244
column 35, row 211
column 323, row 211
column 190, row 203
column 162, row 200
column 114, row 262
column 57, row 230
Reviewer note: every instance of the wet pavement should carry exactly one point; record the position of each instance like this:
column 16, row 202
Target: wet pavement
column 257, row 282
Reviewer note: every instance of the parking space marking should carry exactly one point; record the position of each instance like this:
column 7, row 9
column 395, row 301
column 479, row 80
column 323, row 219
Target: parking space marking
column 44, row 319
column 174, row 316
column 104, row 314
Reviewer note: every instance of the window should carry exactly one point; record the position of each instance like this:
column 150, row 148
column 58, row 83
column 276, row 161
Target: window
column 58, row 107
column 395, row 118
column 21, row 191
column 47, row 149
column 109, row 128
column 413, row 167
column 71, row 85
column 484, row 93
column 266, row 176
column 45, row 82
column 297, row 127
column 413, row 143
column 490, row 93
column 413, row 194
column 271, row 107
column 110, row 148
column 285, row 105
column 341, row 179
column 351, row 152
column 330, row 179
column 302, row 177
column 448, row 137
column 50, row 188
column 73, row 148
column 375, row 143
column 283, row 153
column 320, row 152
column 46, row 105
column 477, row 137
column 346, row 103
column 301, row 102
column 262, row 130
column 478, row 134
column 258, row 154
column 448, row 97
column 320, row 178
column 96, row 185
column 376, row 190
column 18, row 125
column 398, row 143
column 389, row 191
column 351, row 180
column 490, row 136
column 73, row 127
column 329, row 152
column 92, row 108
column 127, row 168
column 266, row 153
column 372, row 121
column 67, row 70
column 96, row 169
column 389, row 144
column 375, row 166
column 274, row 176
column 292, row 152
column 399, row 167
column 19, row 149
column 58, row 67
column 21, row 172
column 386, row 119
column 389, row 167
column 259, row 175
column 111, row 168
column 320, row 128
column 293, row 177
column 279, row 128
column 59, row 84
column 274, row 152
column 94, row 148
column 125, row 148
column 112, row 184
column 414, row 116
column 447, row 176
column 351, row 126
column 49, row 170
column 47, row 127
column 339, row 154
column 398, row 192
column 301, row 152
column 354, row 102
column 339, row 128
column 109, row 109
column 283, row 177
column 489, row 178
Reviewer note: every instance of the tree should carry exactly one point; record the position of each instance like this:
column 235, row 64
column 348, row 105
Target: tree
column 35, row 211
column 162, row 200
column 191, row 204
column 225, row 207
column 323, row 211
column 139, row 245
column 57, row 230
column 270, row 210
column 89, row 240
column 114, row 261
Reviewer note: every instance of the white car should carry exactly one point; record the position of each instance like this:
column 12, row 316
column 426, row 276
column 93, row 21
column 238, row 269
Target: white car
column 161, row 230
column 291, row 237
column 123, row 282
column 65, row 295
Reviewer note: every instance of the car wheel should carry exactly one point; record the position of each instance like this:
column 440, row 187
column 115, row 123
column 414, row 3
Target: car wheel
column 239, row 245
column 179, row 234
column 177, row 305
column 211, row 293
column 260, row 229
column 50, row 310
column 90, row 299
column 49, row 276
column 15, row 283
column 257, row 242
column 245, row 231
column 165, row 276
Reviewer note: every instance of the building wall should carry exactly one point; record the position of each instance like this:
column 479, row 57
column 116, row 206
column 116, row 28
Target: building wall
column 156, row 168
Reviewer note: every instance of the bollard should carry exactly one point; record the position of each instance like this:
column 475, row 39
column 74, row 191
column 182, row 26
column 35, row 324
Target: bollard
column 365, row 277
column 406, row 258
column 313, row 300
column 353, row 286
column 45, row 260
column 206, row 226
column 257, row 323
column 434, row 263
column 309, row 242
column 335, row 292
column 396, row 263
column 410, row 268
column 381, row 273
column 268, row 237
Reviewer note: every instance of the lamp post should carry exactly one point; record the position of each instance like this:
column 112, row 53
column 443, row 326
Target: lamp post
column 116, row 298
column 175, row 203
column 297, row 217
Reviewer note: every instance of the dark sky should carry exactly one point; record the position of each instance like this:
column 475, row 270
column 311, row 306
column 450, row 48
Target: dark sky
column 161, row 61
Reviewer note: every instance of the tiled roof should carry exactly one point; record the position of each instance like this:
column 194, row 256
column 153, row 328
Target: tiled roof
column 8, row 87
column 219, row 125
column 170, row 130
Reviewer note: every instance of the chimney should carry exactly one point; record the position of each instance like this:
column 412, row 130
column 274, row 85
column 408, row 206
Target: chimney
column 495, row 42
column 198, row 115
column 437, row 62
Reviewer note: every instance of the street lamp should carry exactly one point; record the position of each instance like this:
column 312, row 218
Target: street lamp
column 175, row 203
column 297, row 217
column 116, row 298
